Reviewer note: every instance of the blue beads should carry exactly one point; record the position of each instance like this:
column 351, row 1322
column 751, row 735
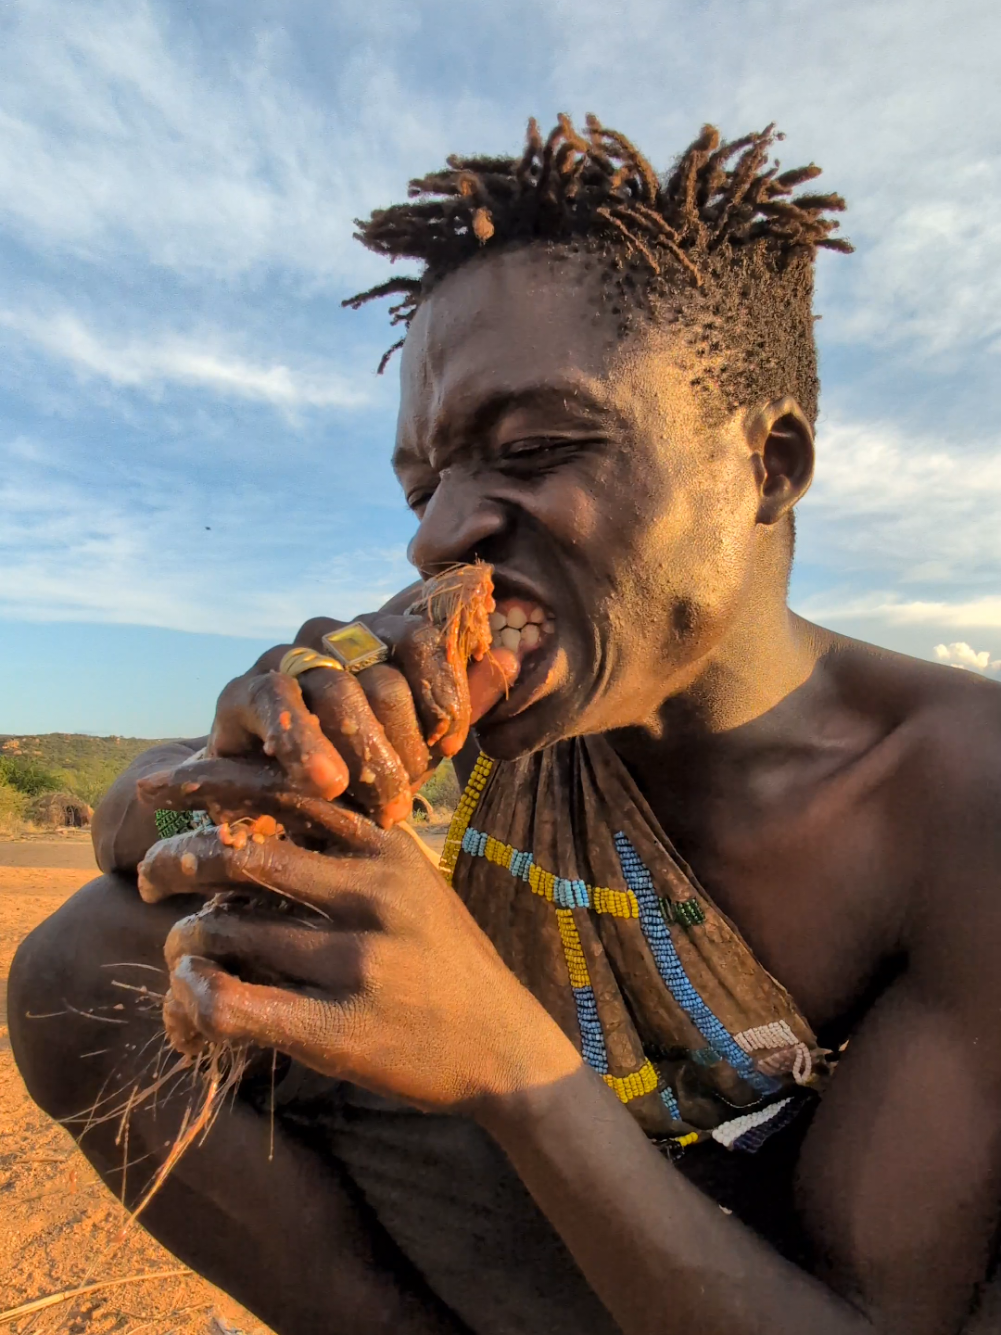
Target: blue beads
column 570, row 894
column 670, row 1103
column 520, row 863
column 658, row 937
column 592, row 1040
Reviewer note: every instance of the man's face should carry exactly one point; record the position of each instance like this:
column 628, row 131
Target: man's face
column 578, row 463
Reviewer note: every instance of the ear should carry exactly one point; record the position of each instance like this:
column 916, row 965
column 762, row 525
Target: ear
column 781, row 443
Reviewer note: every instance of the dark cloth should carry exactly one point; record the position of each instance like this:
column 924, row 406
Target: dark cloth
column 456, row 1209
column 562, row 862
column 450, row 1200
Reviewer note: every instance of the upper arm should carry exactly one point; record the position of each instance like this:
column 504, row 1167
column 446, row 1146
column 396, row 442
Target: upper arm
column 124, row 828
column 900, row 1177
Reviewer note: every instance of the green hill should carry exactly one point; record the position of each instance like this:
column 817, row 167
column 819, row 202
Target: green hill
column 86, row 766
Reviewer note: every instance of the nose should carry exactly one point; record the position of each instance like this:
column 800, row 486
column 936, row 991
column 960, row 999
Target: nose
column 459, row 519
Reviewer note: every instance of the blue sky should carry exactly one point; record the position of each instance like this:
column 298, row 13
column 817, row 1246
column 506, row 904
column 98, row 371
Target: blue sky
column 193, row 445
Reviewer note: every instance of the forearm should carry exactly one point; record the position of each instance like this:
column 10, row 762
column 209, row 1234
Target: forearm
column 661, row 1255
column 124, row 828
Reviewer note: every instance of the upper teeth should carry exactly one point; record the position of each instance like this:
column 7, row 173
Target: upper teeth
column 519, row 626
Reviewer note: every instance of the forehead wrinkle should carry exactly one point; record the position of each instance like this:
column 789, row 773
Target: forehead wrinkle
column 467, row 416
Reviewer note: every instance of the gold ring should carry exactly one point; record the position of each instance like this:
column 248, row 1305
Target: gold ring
column 300, row 660
column 355, row 647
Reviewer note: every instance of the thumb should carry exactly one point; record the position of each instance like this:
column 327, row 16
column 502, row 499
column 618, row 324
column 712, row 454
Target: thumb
column 490, row 680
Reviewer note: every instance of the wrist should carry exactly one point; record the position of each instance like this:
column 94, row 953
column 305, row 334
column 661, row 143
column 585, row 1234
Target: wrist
column 532, row 1085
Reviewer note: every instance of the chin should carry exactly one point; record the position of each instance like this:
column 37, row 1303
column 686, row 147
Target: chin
column 555, row 718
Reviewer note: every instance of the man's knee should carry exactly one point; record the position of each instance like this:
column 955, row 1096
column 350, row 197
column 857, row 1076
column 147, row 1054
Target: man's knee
column 63, row 1000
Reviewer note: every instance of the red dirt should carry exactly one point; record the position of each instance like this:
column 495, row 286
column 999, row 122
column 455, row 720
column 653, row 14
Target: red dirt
column 59, row 1225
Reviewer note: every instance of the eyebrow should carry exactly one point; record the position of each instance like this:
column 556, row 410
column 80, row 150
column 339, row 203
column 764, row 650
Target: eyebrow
column 573, row 399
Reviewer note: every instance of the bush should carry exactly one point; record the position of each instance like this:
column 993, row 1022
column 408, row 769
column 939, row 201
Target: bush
column 442, row 789
column 28, row 776
column 12, row 809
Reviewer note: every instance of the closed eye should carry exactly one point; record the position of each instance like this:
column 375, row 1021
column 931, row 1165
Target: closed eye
column 417, row 500
column 535, row 456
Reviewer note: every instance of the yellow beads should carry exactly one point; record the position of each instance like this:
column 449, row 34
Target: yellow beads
column 572, row 949
column 468, row 803
column 498, row 853
column 634, row 1086
column 690, row 1139
column 619, row 903
column 541, row 882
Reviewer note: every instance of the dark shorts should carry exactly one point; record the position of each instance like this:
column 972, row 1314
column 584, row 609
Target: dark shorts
column 451, row 1202
column 453, row 1205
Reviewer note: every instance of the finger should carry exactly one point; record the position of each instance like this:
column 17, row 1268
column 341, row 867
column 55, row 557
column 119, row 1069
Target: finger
column 392, row 702
column 223, row 782
column 490, row 680
column 182, row 1034
column 233, row 790
column 439, row 686
column 378, row 778
column 203, row 862
column 270, row 951
column 187, row 864
column 227, row 1010
column 269, row 708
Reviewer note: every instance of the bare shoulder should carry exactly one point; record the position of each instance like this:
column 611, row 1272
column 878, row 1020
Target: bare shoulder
column 939, row 791
column 943, row 723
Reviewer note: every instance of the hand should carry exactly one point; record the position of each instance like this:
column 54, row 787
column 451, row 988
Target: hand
column 388, row 981
column 375, row 736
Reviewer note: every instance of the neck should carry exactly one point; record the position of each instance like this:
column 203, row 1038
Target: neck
column 755, row 698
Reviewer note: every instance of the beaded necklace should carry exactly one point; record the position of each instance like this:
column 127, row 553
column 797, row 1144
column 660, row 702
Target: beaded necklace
column 719, row 1050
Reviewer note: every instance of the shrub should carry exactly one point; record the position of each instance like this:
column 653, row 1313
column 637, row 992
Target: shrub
column 28, row 776
column 13, row 805
column 442, row 789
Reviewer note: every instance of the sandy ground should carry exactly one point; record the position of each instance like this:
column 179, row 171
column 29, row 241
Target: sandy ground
column 60, row 1228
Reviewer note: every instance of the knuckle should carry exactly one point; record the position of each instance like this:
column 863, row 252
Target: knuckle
column 269, row 660
column 386, row 686
column 311, row 632
column 182, row 939
column 233, row 693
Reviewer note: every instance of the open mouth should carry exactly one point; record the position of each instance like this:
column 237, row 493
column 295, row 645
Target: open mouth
column 526, row 629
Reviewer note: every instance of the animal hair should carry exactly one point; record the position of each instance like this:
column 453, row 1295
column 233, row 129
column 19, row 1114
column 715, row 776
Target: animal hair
column 720, row 242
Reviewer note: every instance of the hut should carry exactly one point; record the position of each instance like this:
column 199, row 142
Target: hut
column 60, row 809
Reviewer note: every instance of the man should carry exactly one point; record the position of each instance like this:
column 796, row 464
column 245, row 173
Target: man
column 608, row 391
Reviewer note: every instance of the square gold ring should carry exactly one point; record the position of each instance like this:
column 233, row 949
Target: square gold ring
column 355, row 647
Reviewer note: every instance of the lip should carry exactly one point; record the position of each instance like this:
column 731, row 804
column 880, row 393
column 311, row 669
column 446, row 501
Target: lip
column 516, row 586
column 532, row 682
column 535, row 677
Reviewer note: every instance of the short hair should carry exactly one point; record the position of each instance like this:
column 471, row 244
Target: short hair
column 720, row 237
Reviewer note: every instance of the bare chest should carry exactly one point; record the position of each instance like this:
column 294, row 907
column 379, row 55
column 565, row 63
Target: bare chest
column 816, row 894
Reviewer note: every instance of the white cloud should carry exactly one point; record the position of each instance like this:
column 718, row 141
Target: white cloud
column 897, row 101
column 962, row 655
column 120, row 137
column 961, row 614
column 921, row 509
column 202, row 362
column 147, row 148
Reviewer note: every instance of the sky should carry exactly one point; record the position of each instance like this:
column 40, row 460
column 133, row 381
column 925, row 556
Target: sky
column 194, row 446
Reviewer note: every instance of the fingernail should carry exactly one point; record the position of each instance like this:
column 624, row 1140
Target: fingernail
column 490, row 679
column 329, row 778
column 396, row 810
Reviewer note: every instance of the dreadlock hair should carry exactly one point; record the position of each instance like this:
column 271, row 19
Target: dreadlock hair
column 720, row 238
